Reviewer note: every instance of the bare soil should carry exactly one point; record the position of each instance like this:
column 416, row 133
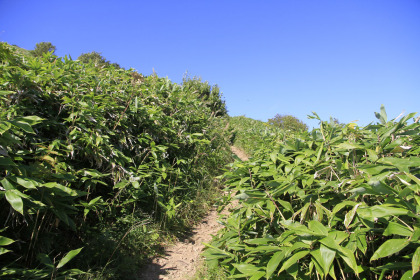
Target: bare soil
column 182, row 259
column 241, row 154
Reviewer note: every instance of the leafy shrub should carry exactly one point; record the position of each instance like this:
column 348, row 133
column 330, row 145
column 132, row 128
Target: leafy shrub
column 97, row 59
column 99, row 158
column 251, row 135
column 43, row 48
column 341, row 202
column 288, row 122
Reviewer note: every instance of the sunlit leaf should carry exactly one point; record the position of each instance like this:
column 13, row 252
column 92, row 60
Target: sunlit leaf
column 389, row 247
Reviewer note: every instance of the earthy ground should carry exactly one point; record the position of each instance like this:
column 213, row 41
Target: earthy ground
column 241, row 154
column 182, row 259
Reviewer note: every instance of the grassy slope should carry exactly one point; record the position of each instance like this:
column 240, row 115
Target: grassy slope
column 250, row 134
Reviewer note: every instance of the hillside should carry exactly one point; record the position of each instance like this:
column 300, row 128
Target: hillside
column 340, row 202
column 100, row 166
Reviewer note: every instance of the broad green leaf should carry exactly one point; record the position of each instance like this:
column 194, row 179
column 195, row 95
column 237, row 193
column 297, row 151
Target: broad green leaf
column 397, row 229
column 348, row 146
column 246, row 268
column 257, row 275
column 60, row 189
column 348, row 256
column 317, row 227
column 274, row 263
column 300, row 229
column 70, row 255
column 361, row 242
column 23, row 125
column 15, row 200
column 293, row 259
column 4, row 241
column 327, row 257
column 381, row 188
column 241, row 196
column 219, row 251
column 93, row 201
column 6, row 184
column 121, row 184
column 416, row 234
column 382, row 117
column 373, row 156
column 350, row 215
column 416, row 261
column 3, row 251
column 4, row 126
column 341, row 205
column 403, row 164
column 259, row 241
column 412, row 177
column 338, row 236
column 316, row 260
column 273, row 157
column 29, row 184
column 389, row 247
column 31, row 120
column 379, row 211
column 6, row 92
column 320, row 149
column 374, row 169
column 408, row 275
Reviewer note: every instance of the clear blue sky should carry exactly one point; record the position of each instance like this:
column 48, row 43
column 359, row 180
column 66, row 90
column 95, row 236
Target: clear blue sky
column 337, row 58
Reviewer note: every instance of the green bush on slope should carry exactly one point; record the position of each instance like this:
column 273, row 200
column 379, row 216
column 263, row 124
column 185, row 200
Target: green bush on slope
column 250, row 135
column 341, row 202
column 99, row 158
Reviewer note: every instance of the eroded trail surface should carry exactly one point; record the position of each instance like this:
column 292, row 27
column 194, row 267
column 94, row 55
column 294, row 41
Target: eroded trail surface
column 182, row 259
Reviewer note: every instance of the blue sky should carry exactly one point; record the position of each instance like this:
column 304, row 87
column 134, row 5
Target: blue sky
column 337, row 58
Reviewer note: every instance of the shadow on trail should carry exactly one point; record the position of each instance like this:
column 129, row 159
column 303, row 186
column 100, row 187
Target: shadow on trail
column 163, row 267
column 154, row 271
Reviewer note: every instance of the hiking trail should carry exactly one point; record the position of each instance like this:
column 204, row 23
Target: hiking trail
column 183, row 258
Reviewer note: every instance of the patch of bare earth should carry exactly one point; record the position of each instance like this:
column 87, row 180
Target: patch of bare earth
column 241, row 154
column 182, row 259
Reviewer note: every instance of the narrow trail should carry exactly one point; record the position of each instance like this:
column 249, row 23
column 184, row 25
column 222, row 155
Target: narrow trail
column 183, row 258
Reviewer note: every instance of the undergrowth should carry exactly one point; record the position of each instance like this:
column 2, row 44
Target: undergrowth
column 341, row 202
column 249, row 135
column 100, row 167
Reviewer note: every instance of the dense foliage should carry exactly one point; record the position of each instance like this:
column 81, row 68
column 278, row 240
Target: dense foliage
column 97, row 59
column 96, row 163
column 341, row 202
column 288, row 123
column 43, row 48
column 250, row 135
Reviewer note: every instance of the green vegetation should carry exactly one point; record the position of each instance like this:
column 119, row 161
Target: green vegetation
column 43, row 48
column 97, row 59
column 99, row 166
column 288, row 123
column 341, row 202
column 251, row 135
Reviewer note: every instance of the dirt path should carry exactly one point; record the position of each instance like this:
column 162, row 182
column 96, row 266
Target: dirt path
column 182, row 259
column 241, row 154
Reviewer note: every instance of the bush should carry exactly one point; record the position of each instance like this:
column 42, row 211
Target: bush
column 99, row 158
column 339, row 202
column 43, row 48
column 288, row 122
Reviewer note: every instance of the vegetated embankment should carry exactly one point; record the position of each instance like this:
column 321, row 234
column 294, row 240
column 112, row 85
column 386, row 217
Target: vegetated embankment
column 99, row 166
column 341, row 202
